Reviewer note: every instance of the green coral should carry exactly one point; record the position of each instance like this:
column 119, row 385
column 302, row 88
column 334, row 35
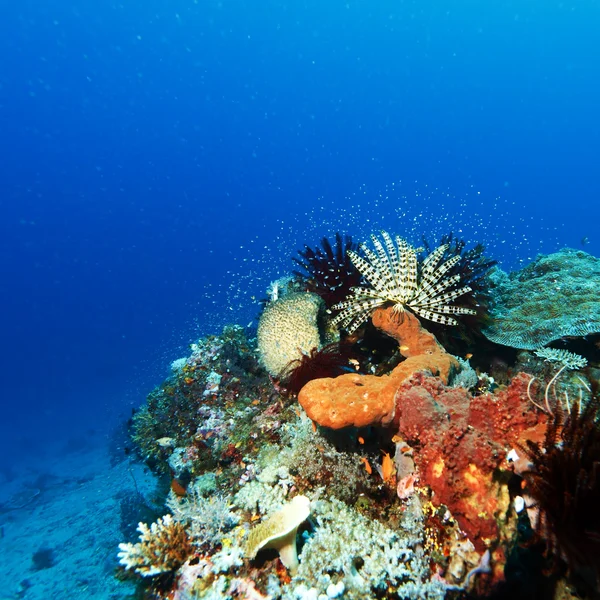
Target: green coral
column 555, row 296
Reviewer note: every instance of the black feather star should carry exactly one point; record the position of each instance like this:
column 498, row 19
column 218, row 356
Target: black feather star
column 330, row 361
column 564, row 483
column 474, row 266
column 328, row 271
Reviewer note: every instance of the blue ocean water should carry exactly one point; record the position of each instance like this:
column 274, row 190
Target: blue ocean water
column 161, row 161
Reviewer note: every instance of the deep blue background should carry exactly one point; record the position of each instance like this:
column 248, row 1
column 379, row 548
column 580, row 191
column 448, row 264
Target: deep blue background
column 161, row 159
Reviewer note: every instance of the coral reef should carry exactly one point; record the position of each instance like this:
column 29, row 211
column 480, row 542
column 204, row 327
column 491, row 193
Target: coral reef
column 461, row 443
column 207, row 519
column 399, row 470
column 356, row 557
column 185, row 427
column 355, row 400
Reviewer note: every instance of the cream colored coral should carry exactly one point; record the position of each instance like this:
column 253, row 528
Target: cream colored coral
column 279, row 532
column 163, row 547
column 288, row 328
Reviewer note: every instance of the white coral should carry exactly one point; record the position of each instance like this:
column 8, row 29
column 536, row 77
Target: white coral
column 207, row 519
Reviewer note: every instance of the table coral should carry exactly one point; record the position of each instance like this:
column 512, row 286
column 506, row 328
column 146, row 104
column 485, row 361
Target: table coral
column 553, row 297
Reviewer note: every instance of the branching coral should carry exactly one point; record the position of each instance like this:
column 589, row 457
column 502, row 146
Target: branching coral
column 163, row 548
column 208, row 519
column 315, row 462
column 364, row 559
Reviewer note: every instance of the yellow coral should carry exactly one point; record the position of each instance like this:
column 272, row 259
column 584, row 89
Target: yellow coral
column 288, row 328
column 163, row 547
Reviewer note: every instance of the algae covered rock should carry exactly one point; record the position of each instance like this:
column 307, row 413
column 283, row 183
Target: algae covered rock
column 556, row 296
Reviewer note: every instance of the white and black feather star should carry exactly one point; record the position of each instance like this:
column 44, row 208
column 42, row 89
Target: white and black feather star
column 394, row 275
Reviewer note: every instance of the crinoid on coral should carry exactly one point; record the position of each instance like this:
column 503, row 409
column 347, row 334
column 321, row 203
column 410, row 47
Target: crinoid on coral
column 564, row 483
column 474, row 269
column 163, row 548
column 329, row 272
column 396, row 277
column 329, row 361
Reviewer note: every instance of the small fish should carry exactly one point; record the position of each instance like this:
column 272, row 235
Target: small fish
column 367, row 464
column 388, row 469
column 354, row 363
column 585, row 240
column 468, row 356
